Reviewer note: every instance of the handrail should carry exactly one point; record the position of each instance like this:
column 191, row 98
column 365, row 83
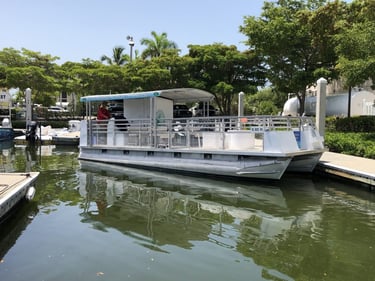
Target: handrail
column 188, row 132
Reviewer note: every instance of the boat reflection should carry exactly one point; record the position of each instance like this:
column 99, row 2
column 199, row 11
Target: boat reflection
column 6, row 161
column 173, row 209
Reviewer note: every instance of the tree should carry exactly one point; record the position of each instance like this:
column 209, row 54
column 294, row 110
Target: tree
column 294, row 39
column 177, row 66
column 156, row 45
column 355, row 45
column 264, row 102
column 224, row 71
column 92, row 78
column 118, row 57
column 28, row 69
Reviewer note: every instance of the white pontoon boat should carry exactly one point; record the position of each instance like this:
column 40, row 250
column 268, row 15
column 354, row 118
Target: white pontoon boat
column 148, row 136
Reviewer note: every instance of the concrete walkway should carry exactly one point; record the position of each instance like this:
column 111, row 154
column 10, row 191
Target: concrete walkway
column 359, row 169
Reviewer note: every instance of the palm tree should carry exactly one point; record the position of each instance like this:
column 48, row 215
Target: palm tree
column 157, row 45
column 118, row 57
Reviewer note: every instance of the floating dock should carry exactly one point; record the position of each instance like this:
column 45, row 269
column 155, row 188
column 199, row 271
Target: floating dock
column 14, row 187
column 357, row 169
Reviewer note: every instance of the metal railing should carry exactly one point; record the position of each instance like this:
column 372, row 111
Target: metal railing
column 187, row 133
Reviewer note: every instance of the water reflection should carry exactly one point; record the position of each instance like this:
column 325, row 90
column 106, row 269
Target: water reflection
column 12, row 226
column 172, row 209
column 6, row 148
column 299, row 228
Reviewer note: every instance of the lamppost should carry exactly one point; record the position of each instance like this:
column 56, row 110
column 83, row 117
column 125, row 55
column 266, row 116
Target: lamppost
column 131, row 44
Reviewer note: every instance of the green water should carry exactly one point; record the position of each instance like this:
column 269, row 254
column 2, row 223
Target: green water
column 101, row 222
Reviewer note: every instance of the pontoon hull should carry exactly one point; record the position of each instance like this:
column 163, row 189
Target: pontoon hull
column 304, row 163
column 202, row 162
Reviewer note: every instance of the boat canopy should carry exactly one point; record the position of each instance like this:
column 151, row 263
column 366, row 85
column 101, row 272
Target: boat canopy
column 178, row 95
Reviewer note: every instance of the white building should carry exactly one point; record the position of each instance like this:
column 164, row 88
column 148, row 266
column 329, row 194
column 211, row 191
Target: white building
column 362, row 103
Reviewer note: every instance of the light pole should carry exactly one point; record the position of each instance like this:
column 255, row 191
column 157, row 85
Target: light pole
column 131, row 44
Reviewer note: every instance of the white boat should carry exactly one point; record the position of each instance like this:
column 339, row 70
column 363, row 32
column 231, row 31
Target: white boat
column 15, row 187
column 69, row 136
column 261, row 147
column 62, row 136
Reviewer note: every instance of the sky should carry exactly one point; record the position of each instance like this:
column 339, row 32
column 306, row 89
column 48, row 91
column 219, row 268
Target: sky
column 77, row 29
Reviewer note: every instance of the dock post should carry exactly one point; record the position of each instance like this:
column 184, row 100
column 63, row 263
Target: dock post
column 240, row 108
column 240, row 103
column 29, row 113
column 321, row 106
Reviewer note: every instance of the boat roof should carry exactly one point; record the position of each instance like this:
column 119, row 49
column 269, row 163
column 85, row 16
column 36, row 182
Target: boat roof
column 178, row 95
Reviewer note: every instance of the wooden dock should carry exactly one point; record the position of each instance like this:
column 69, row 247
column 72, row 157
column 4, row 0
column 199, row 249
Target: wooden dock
column 357, row 169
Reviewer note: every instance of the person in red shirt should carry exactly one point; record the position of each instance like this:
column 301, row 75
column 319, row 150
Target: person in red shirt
column 103, row 112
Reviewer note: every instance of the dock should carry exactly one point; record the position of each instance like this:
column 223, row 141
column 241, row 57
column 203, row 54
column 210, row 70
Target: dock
column 353, row 168
column 14, row 187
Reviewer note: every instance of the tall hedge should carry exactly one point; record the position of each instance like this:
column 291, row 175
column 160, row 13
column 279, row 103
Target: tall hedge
column 353, row 136
column 360, row 124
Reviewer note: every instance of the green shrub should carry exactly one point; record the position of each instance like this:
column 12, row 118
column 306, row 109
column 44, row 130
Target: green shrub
column 357, row 144
column 353, row 136
column 355, row 124
column 331, row 124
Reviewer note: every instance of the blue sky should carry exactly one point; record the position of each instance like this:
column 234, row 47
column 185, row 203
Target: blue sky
column 78, row 29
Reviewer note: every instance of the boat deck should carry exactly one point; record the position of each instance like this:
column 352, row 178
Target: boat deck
column 358, row 169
